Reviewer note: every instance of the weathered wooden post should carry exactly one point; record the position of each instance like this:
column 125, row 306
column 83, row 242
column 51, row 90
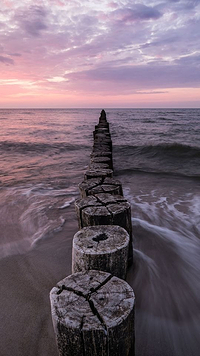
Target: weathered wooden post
column 102, row 139
column 101, row 133
column 103, row 248
column 105, row 209
column 106, row 160
column 98, row 165
column 93, row 314
column 94, row 173
column 99, row 153
column 100, row 185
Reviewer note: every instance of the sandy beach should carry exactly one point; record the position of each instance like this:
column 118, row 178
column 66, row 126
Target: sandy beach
column 26, row 280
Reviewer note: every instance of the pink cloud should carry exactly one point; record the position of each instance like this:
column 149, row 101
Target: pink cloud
column 100, row 51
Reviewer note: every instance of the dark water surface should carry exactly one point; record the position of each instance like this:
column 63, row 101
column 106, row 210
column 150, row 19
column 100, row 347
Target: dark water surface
column 43, row 155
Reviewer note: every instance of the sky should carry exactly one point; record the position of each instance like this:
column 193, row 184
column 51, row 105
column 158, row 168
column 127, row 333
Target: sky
column 81, row 53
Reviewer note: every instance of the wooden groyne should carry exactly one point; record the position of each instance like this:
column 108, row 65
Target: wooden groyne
column 103, row 248
column 93, row 308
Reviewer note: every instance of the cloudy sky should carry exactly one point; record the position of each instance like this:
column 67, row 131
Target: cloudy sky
column 81, row 53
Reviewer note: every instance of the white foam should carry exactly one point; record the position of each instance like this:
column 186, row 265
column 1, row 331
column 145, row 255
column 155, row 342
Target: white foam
column 179, row 213
column 32, row 213
column 15, row 247
column 67, row 203
column 47, row 230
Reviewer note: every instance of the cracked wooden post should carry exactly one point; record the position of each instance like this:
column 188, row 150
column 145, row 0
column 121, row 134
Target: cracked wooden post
column 100, row 185
column 106, row 160
column 99, row 153
column 94, row 173
column 102, row 139
column 106, row 209
column 93, row 314
column 102, row 145
column 101, row 133
column 103, row 248
column 98, row 165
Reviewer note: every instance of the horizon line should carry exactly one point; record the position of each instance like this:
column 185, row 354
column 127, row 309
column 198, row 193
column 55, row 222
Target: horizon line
column 95, row 108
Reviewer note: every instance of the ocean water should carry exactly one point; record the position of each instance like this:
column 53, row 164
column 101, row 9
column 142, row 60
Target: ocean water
column 43, row 156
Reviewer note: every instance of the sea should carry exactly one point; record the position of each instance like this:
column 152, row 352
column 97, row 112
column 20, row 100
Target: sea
column 43, row 156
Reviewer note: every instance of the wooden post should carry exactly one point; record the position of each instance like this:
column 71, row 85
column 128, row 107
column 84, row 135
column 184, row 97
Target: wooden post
column 96, row 153
column 101, row 132
column 101, row 153
column 99, row 165
column 103, row 248
column 100, row 159
column 95, row 173
column 102, row 144
column 106, row 210
column 100, row 185
column 93, row 314
column 103, row 116
column 102, row 125
column 102, row 139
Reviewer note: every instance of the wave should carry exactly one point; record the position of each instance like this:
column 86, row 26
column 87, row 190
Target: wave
column 173, row 149
column 130, row 171
column 26, row 147
column 166, row 159
column 177, row 149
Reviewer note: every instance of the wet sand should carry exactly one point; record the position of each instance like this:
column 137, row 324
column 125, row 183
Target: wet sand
column 26, row 280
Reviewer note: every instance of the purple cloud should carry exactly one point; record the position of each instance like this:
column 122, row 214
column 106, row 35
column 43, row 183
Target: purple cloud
column 33, row 20
column 193, row 61
column 15, row 54
column 134, row 13
column 6, row 60
column 137, row 77
column 179, row 5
